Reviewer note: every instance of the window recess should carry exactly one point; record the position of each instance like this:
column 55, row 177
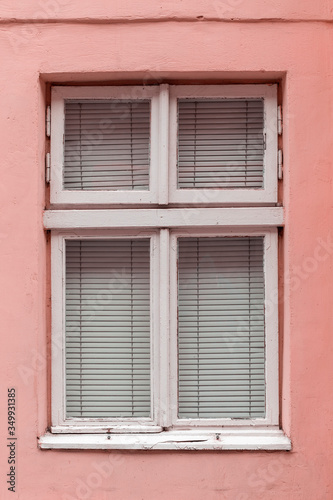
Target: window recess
column 164, row 268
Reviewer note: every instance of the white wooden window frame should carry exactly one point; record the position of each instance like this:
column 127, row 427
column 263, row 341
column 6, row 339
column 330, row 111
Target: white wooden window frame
column 270, row 267
column 163, row 145
column 58, row 272
column 87, row 215
column 59, row 195
column 267, row 194
column 163, row 336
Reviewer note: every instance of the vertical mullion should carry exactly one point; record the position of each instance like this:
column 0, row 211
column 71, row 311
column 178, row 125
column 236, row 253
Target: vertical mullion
column 246, row 141
column 163, row 166
column 164, row 328
column 80, row 145
column 131, row 152
column 195, row 145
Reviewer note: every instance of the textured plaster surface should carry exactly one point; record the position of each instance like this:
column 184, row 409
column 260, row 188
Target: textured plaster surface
column 299, row 56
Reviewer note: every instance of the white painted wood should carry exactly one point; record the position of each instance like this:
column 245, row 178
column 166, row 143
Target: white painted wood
column 163, row 165
column 155, row 321
column 242, row 195
column 89, row 94
column 136, row 426
column 159, row 218
column 231, row 196
column 105, row 92
column 174, row 326
column 272, row 326
column 250, row 439
column 164, row 308
column 173, row 138
column 229, row 91
column 270, row 160
column 57, row 143
column 155, row 150
column 58, row 329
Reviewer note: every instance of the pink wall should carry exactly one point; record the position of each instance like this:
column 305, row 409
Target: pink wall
column 181, row 46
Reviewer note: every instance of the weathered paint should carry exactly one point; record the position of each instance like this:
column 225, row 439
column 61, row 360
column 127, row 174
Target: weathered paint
column 165, row 41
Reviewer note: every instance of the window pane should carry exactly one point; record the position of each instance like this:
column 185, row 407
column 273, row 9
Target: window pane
column 221, row 328
column 107, row 328
column 107, row 145
column 220, row 143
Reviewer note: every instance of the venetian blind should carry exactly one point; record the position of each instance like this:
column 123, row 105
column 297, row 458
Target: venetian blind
column 220, row 143
column 107, row 145
column 107, row 328
column 221, row 329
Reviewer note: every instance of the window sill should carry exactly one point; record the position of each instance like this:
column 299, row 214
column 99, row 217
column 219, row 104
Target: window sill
column 171, row 440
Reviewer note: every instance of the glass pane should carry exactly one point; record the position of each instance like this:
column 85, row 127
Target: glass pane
column 107, row 145
column 220, row 143
column 221, row 328
column 107, row 328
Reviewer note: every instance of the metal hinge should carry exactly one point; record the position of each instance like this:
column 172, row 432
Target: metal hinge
column 279, row 114
column 47, row 168
column 280, row 163
column 48, row 121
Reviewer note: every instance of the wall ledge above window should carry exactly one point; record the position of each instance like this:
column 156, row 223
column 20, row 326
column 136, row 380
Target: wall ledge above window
column 263, row 439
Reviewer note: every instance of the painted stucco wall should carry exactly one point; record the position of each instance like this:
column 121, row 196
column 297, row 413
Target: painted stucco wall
column 286, row 41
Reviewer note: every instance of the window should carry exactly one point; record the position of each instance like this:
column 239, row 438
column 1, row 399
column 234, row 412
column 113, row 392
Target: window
column 164, row 258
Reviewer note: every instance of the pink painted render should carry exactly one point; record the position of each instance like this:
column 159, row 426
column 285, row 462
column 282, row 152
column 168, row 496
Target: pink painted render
column 128, row 10
column 286, row 41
